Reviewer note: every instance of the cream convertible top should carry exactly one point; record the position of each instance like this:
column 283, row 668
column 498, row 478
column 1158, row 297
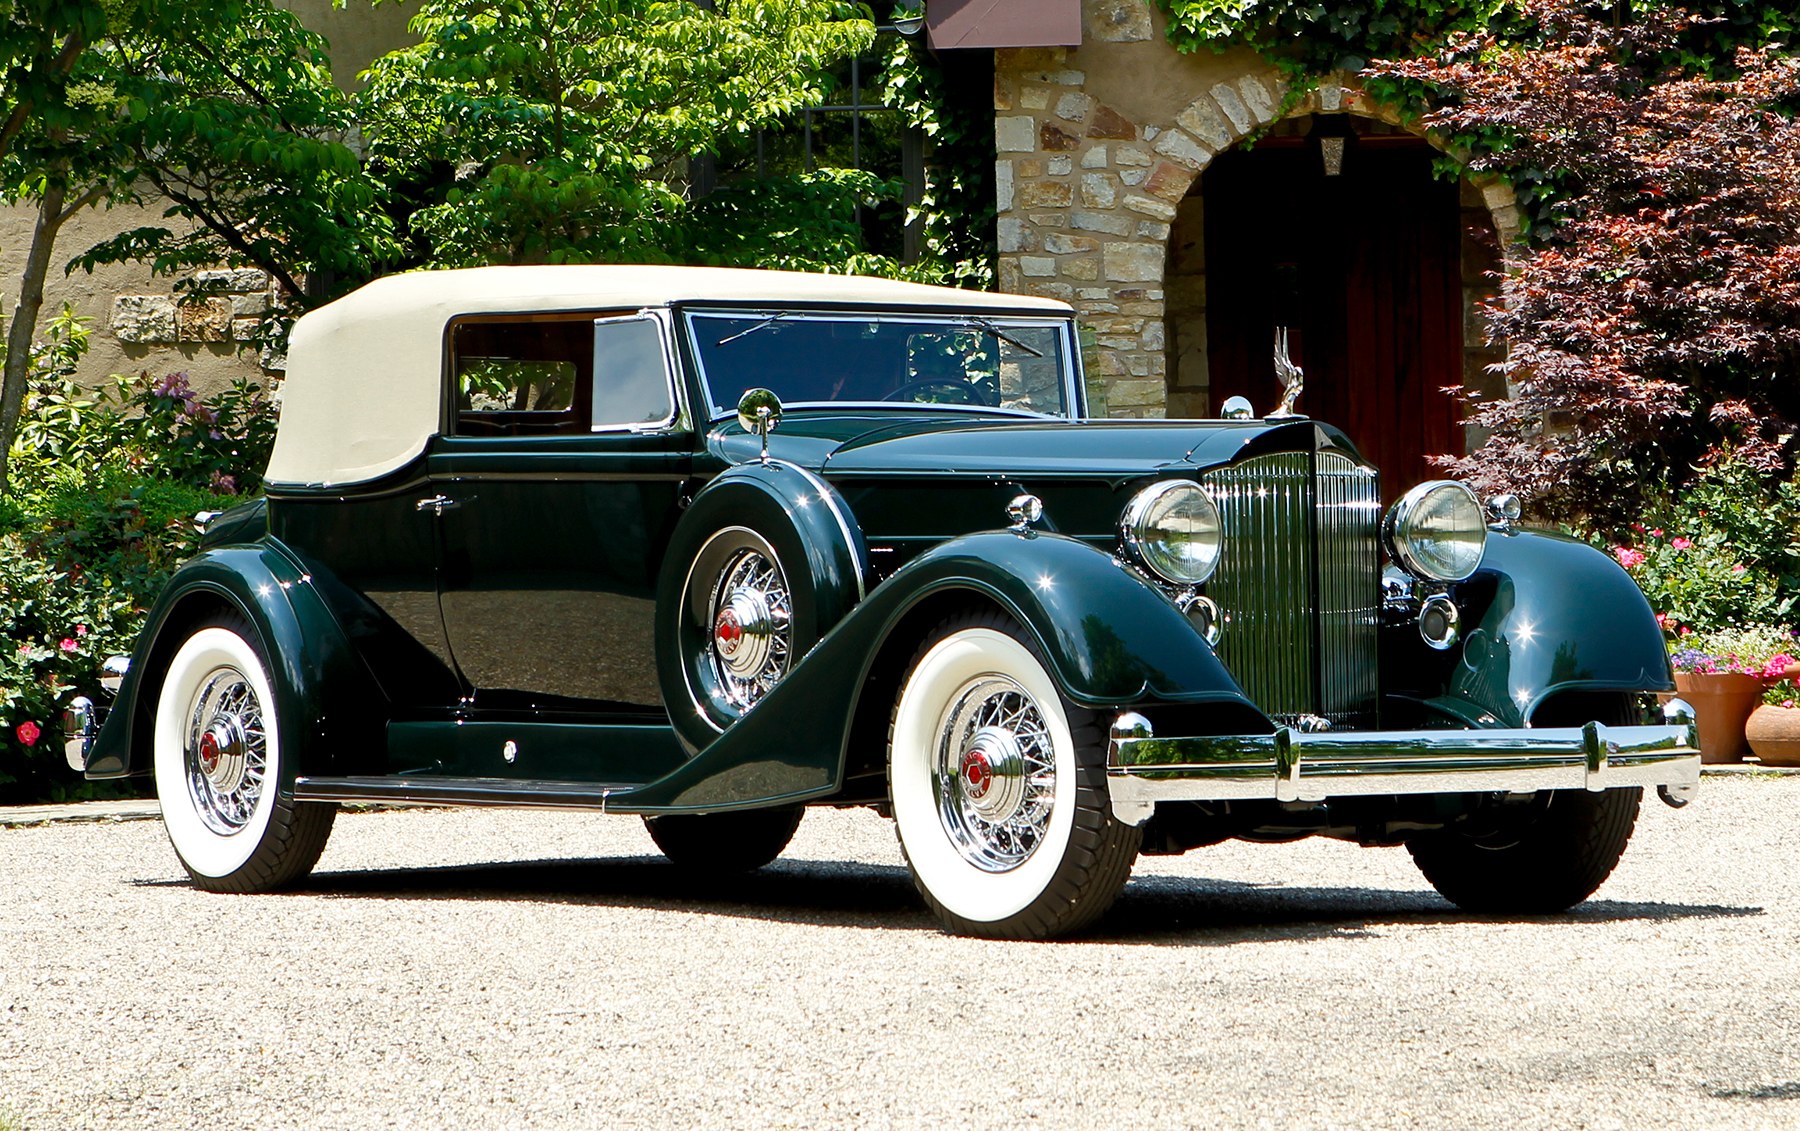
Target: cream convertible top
column 365, row 373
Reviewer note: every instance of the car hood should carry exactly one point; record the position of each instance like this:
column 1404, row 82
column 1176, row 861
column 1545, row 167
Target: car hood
column 855, row 445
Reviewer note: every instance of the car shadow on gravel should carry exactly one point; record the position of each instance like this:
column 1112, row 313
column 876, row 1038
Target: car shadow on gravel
column 811, row 891
column 1152, row 911
column 1158, row 910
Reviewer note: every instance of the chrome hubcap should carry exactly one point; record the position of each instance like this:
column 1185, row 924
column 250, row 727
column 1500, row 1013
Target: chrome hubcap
column 994, row 772
column 225, row 751
column 751, row 631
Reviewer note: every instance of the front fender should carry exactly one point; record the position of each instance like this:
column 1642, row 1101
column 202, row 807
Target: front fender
column 1110, row 638
column 327, row 703
column 1553, row 615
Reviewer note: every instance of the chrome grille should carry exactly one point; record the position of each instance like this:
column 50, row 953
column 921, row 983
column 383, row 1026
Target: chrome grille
column 1299, row 580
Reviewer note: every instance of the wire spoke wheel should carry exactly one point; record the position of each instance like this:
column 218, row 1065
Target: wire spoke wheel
column 225, row 751
column 995, row 773
column 751, row 613
column 999, row 787
column 226, row 790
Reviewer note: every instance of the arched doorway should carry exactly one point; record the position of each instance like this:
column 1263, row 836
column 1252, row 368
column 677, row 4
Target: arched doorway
column 1365, row 259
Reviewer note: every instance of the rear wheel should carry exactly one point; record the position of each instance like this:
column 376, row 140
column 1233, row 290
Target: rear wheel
column 1537, row 855
column 221, row 778
column 739, row 841
column 999, row 788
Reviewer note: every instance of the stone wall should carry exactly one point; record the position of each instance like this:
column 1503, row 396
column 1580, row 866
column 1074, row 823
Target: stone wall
column 1098, row 150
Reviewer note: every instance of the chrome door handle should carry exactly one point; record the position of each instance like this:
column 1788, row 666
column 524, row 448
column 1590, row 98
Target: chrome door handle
column 437, row 504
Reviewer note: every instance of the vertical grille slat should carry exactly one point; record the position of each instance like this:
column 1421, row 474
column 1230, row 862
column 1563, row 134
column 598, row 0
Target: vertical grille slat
column 1299, row 582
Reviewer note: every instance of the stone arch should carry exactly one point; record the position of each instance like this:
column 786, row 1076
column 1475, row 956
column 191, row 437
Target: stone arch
column 1087, row 198
column 1230, row 113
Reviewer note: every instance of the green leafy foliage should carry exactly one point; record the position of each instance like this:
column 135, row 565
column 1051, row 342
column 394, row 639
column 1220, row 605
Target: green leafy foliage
column 1724, row 552
column 227, row 113
column 1308, row 37
column 522, row 132
column 956, row 207
column 107, row 484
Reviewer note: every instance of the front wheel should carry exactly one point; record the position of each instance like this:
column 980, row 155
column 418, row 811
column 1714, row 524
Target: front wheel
column 1534, row 855
column 226, row 791
column 999, row 788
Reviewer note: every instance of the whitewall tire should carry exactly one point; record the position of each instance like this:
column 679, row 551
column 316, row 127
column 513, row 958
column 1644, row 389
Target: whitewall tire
column 226, row 791
column 998, row 787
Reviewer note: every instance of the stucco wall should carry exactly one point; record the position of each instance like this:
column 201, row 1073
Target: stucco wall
column 358, row 34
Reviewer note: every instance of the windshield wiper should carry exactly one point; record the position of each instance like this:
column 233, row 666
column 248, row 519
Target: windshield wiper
column 989, row 327
column 775, row 317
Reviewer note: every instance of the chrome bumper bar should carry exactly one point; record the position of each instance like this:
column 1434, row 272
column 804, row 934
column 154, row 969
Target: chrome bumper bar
column 1291, row 765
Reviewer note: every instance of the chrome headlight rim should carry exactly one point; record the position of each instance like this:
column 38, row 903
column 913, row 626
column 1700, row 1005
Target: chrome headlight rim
column 1140, row 548
column 1398, row 537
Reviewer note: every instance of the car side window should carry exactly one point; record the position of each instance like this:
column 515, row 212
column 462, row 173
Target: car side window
column 633, row 386
column 524, row 377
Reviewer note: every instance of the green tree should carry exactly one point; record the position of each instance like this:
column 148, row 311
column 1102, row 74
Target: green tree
column 526, row 131
column 225, row 114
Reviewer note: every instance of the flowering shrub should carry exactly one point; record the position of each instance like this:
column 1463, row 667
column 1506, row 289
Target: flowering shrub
column 1765, row 653
column 105, row 488
column 55, row 629
column 1725, row 552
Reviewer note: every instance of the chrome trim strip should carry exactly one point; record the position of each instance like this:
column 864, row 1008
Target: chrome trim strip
column 829, row 497
column 1289, row 765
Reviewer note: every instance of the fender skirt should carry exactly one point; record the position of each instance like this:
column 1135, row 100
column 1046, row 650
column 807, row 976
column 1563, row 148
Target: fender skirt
column 327, row 704
column 1110, row 638
column 1552, row 615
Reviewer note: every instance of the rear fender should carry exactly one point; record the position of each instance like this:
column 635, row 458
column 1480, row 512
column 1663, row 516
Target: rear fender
column 327, row 704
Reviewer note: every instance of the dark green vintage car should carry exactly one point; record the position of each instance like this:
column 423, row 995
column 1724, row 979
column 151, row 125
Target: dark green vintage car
column 712, row 546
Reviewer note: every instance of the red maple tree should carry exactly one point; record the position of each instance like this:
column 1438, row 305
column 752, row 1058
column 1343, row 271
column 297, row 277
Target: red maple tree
column 1653, row 321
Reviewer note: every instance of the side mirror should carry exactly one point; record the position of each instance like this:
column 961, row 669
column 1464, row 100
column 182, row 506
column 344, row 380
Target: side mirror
column 759, row 413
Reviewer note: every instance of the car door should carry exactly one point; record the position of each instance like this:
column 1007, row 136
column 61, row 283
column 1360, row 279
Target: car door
column 555, row 488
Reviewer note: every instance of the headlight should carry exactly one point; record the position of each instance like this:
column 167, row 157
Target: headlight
column 1172, row 529
column 1435, row 531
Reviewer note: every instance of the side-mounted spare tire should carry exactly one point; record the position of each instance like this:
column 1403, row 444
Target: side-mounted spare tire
column 766, row 559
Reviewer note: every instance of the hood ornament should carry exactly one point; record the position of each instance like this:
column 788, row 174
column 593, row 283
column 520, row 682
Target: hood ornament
column 1293, row 378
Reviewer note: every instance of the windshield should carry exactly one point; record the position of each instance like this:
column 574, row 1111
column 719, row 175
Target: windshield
column 961, row 361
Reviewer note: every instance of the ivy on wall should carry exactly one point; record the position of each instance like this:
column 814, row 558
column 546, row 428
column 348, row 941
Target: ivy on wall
column 1308, row 38
column 956, row 210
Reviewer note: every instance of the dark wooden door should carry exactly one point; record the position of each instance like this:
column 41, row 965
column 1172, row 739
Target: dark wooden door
column 1364, row 268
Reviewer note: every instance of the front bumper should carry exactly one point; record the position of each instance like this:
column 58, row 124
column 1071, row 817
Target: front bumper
column 1291, row 765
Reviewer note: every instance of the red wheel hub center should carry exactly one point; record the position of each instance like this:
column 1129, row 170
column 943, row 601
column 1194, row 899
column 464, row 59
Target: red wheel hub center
column 727, row 632
column 209, row 752
column 978, row 774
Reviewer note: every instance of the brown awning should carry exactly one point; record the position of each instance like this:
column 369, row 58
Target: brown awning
column 1003, row 23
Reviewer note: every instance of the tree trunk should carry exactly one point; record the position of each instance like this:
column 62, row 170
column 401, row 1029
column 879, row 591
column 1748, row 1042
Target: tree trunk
column 24, row 321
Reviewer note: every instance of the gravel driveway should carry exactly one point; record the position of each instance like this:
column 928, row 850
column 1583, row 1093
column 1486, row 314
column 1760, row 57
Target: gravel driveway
column 452, row 968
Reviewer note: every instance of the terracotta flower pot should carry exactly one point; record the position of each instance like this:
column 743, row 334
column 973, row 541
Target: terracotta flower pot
column 1774, row 734
column 1722, row 704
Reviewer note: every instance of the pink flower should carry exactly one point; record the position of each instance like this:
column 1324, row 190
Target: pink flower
column 68, row 644
column 81, row 630
column 1638, row 526
column 1737, row 569
column 1628, row 557
column 1664, row 619
column 28, row 733
column 1681, row 543
column 1657, row 533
